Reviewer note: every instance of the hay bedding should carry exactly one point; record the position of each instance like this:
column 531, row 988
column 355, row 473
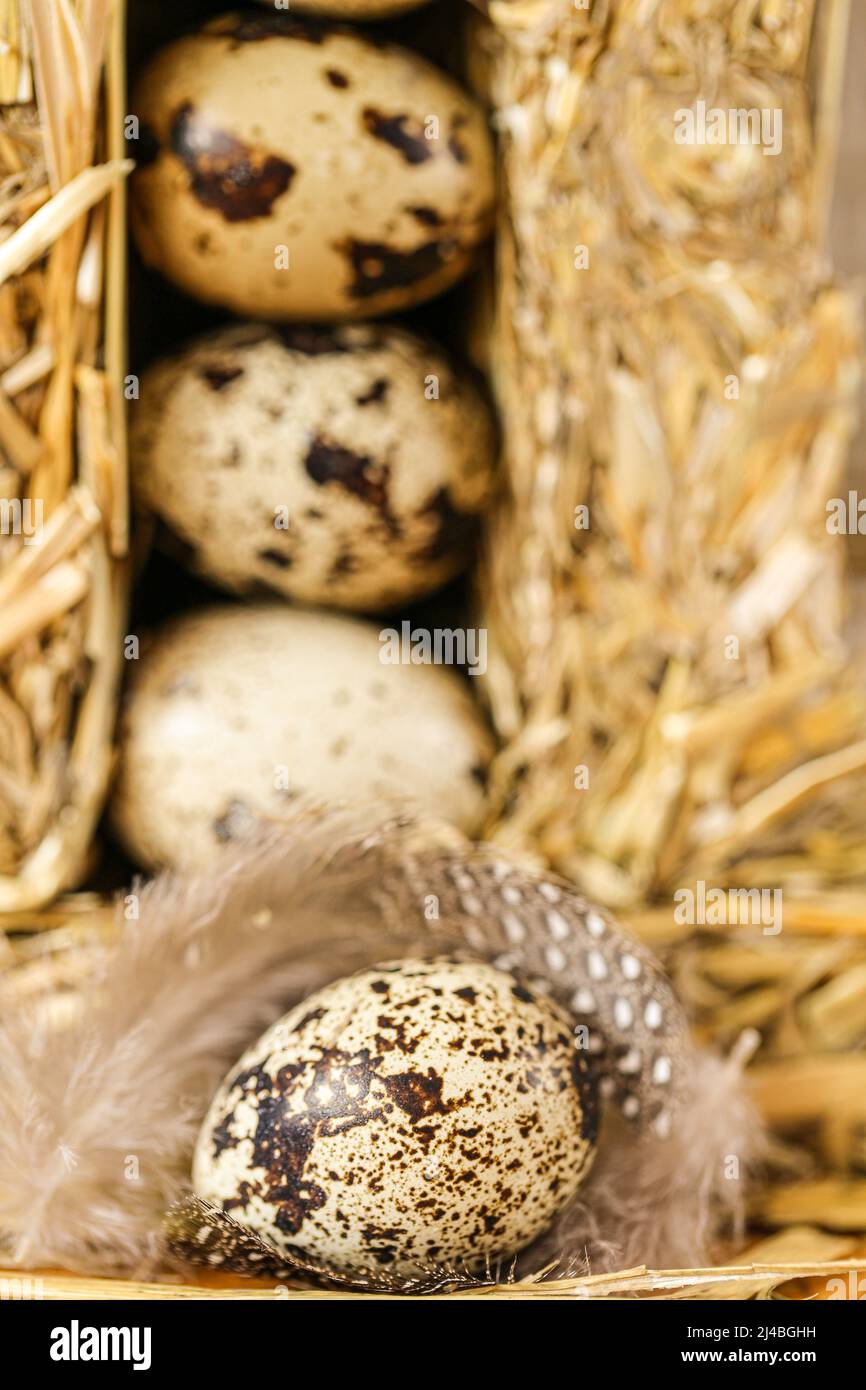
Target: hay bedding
column 682, row 644
column 62, row 312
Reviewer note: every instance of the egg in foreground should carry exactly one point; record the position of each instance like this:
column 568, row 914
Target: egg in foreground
column 420, row 1112
column 294, row 169
column 234, row 712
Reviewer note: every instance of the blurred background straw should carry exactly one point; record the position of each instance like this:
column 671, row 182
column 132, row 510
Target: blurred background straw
column 62, row 353
column 677, row 371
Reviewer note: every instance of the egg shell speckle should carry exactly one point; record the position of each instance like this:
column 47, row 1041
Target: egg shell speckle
column 416, row 1113
column 234, row 711
column 294, row 169
column 313, row 461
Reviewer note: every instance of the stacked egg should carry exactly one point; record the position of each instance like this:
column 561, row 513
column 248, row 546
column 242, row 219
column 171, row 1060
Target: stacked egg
column 313, row 182
column 309, row 179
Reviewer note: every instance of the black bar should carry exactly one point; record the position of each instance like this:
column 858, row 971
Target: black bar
column 237, row 1339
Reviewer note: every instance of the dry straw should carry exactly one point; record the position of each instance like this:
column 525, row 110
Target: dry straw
column 801, row 1263
column 666, row 669
column 62, row 336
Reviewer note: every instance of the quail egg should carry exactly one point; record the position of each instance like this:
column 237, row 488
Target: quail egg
column 232, row 712
column 423, row 1112
column 294, row 169
column 339, row 466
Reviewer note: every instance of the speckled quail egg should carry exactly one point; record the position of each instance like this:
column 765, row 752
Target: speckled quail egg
column 294, row 169
column 341, row 466
column 420, row 1112
column 234, row 711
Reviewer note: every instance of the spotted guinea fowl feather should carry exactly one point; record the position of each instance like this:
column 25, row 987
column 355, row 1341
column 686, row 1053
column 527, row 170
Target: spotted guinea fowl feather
column 680, row 1135
column 199, row 1233
column 541, row 928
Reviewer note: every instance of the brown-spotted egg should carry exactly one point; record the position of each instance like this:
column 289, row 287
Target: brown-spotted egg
column 294, row 169
column 423, row 1112
column 234, row 712
column 341, row 466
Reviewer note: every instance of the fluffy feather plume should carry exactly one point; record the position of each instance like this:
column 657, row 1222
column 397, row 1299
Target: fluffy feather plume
column 663, row 1202
column 97, row 1123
